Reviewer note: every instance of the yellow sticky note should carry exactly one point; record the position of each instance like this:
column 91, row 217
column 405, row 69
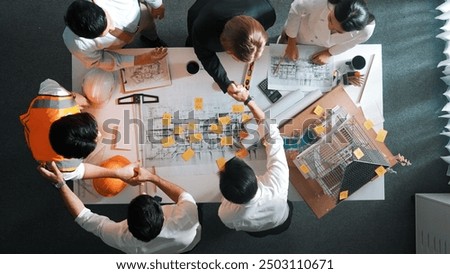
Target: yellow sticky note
column 381, row 135
column 226, row 140
column 225, row 120
column 318, row 110
column 168, row 141
column 242, row 153
column 380, row 171
column 368, row 124
column 304, row 169
column 216, row 129
column 238, row 108
column 178, row 130
column 221, row 163
column 358, row 153
column 192, row 126
column 166, row 119
column 245, row 117
column 319, row 129
column 188, row 154
column 198, row 103
column 343, row 195
column 195, row 138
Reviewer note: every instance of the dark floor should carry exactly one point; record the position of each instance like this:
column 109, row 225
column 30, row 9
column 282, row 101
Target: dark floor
column 34, row 219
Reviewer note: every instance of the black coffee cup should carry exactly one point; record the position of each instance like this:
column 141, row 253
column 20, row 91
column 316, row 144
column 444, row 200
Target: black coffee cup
column 192, row 67
column 358, row 62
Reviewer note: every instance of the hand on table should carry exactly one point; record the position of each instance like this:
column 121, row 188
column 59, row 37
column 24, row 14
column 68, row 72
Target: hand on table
column 321, row 57
column 150, row 57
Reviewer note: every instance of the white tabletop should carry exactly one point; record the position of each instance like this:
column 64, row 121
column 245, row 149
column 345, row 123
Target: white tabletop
column 186, row 87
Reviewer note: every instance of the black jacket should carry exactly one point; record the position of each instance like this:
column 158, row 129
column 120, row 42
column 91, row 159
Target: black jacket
column 206, row 20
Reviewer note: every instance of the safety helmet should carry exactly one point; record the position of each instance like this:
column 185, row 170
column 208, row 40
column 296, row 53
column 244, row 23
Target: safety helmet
column 98, row 86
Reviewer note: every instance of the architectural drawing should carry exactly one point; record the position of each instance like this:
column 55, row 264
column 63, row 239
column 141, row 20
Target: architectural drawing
column 301, row 75
column 146, row 76
column 196, row 133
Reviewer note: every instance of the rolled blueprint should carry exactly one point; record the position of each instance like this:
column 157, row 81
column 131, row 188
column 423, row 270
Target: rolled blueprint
column 292, row 104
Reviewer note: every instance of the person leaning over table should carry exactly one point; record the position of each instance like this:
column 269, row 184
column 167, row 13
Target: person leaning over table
column 237, row 27
column 337, row 25
column 257, row 204
column 149, row 227
column 56, row 130
column 95, row 28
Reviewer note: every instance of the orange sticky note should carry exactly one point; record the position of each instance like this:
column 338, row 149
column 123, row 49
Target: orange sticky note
column 343, row 195
column 304, row 169
column 225, row 120
column 358, row 153
column 319, row 129
column 380, row 171
column 178, row 130
column 188, row 154
column 195, row 138
column 198, row 103
column 243, row 134
column 381, row 135
column 368, row 124
column 242, row 153
column 245, row 117
column 226, row 140
column 221, row 163
column 318, row 110
column 166, row 119
column 238, row 108
column 168, row 141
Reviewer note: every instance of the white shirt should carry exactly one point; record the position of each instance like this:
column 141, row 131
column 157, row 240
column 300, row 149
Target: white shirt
column 94, row 52
column 308, row 21
column 269, row 208
column 180, row 233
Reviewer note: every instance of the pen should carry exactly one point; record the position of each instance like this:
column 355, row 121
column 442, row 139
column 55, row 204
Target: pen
column 278, row 66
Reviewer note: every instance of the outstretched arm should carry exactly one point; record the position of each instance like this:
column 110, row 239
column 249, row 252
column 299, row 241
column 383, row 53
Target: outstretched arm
column 172, row 190
column 72, row 202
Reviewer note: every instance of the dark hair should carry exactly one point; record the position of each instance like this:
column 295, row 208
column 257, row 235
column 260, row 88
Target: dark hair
column 74, row 136
column 238, row 182
column 244, row 36
column 352, row 14
column 86, row 19
column 145, row 218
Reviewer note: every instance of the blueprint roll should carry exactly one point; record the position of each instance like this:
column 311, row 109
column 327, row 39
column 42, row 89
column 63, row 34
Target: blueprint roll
column 291, row 104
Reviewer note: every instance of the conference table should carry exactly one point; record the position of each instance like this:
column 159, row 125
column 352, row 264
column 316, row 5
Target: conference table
column 200, row 177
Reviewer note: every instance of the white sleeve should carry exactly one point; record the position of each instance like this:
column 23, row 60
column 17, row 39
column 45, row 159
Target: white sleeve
column 77, row 174
column 355, row 38
column 292, row 25
column 154, row 3
column 87, row 52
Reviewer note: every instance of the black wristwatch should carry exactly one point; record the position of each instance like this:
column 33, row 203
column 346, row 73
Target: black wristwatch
column 249, row 98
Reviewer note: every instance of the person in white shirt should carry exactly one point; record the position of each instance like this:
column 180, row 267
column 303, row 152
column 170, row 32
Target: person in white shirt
column 336, row 25
column 257, row 203
column 149, row 227
column 95, row 28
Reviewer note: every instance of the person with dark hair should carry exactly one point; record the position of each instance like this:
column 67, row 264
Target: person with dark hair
column 237, row 27
column 251, row 203
column 336, row 25
column 95, row 28
column 149, row 227
column 56, row 130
